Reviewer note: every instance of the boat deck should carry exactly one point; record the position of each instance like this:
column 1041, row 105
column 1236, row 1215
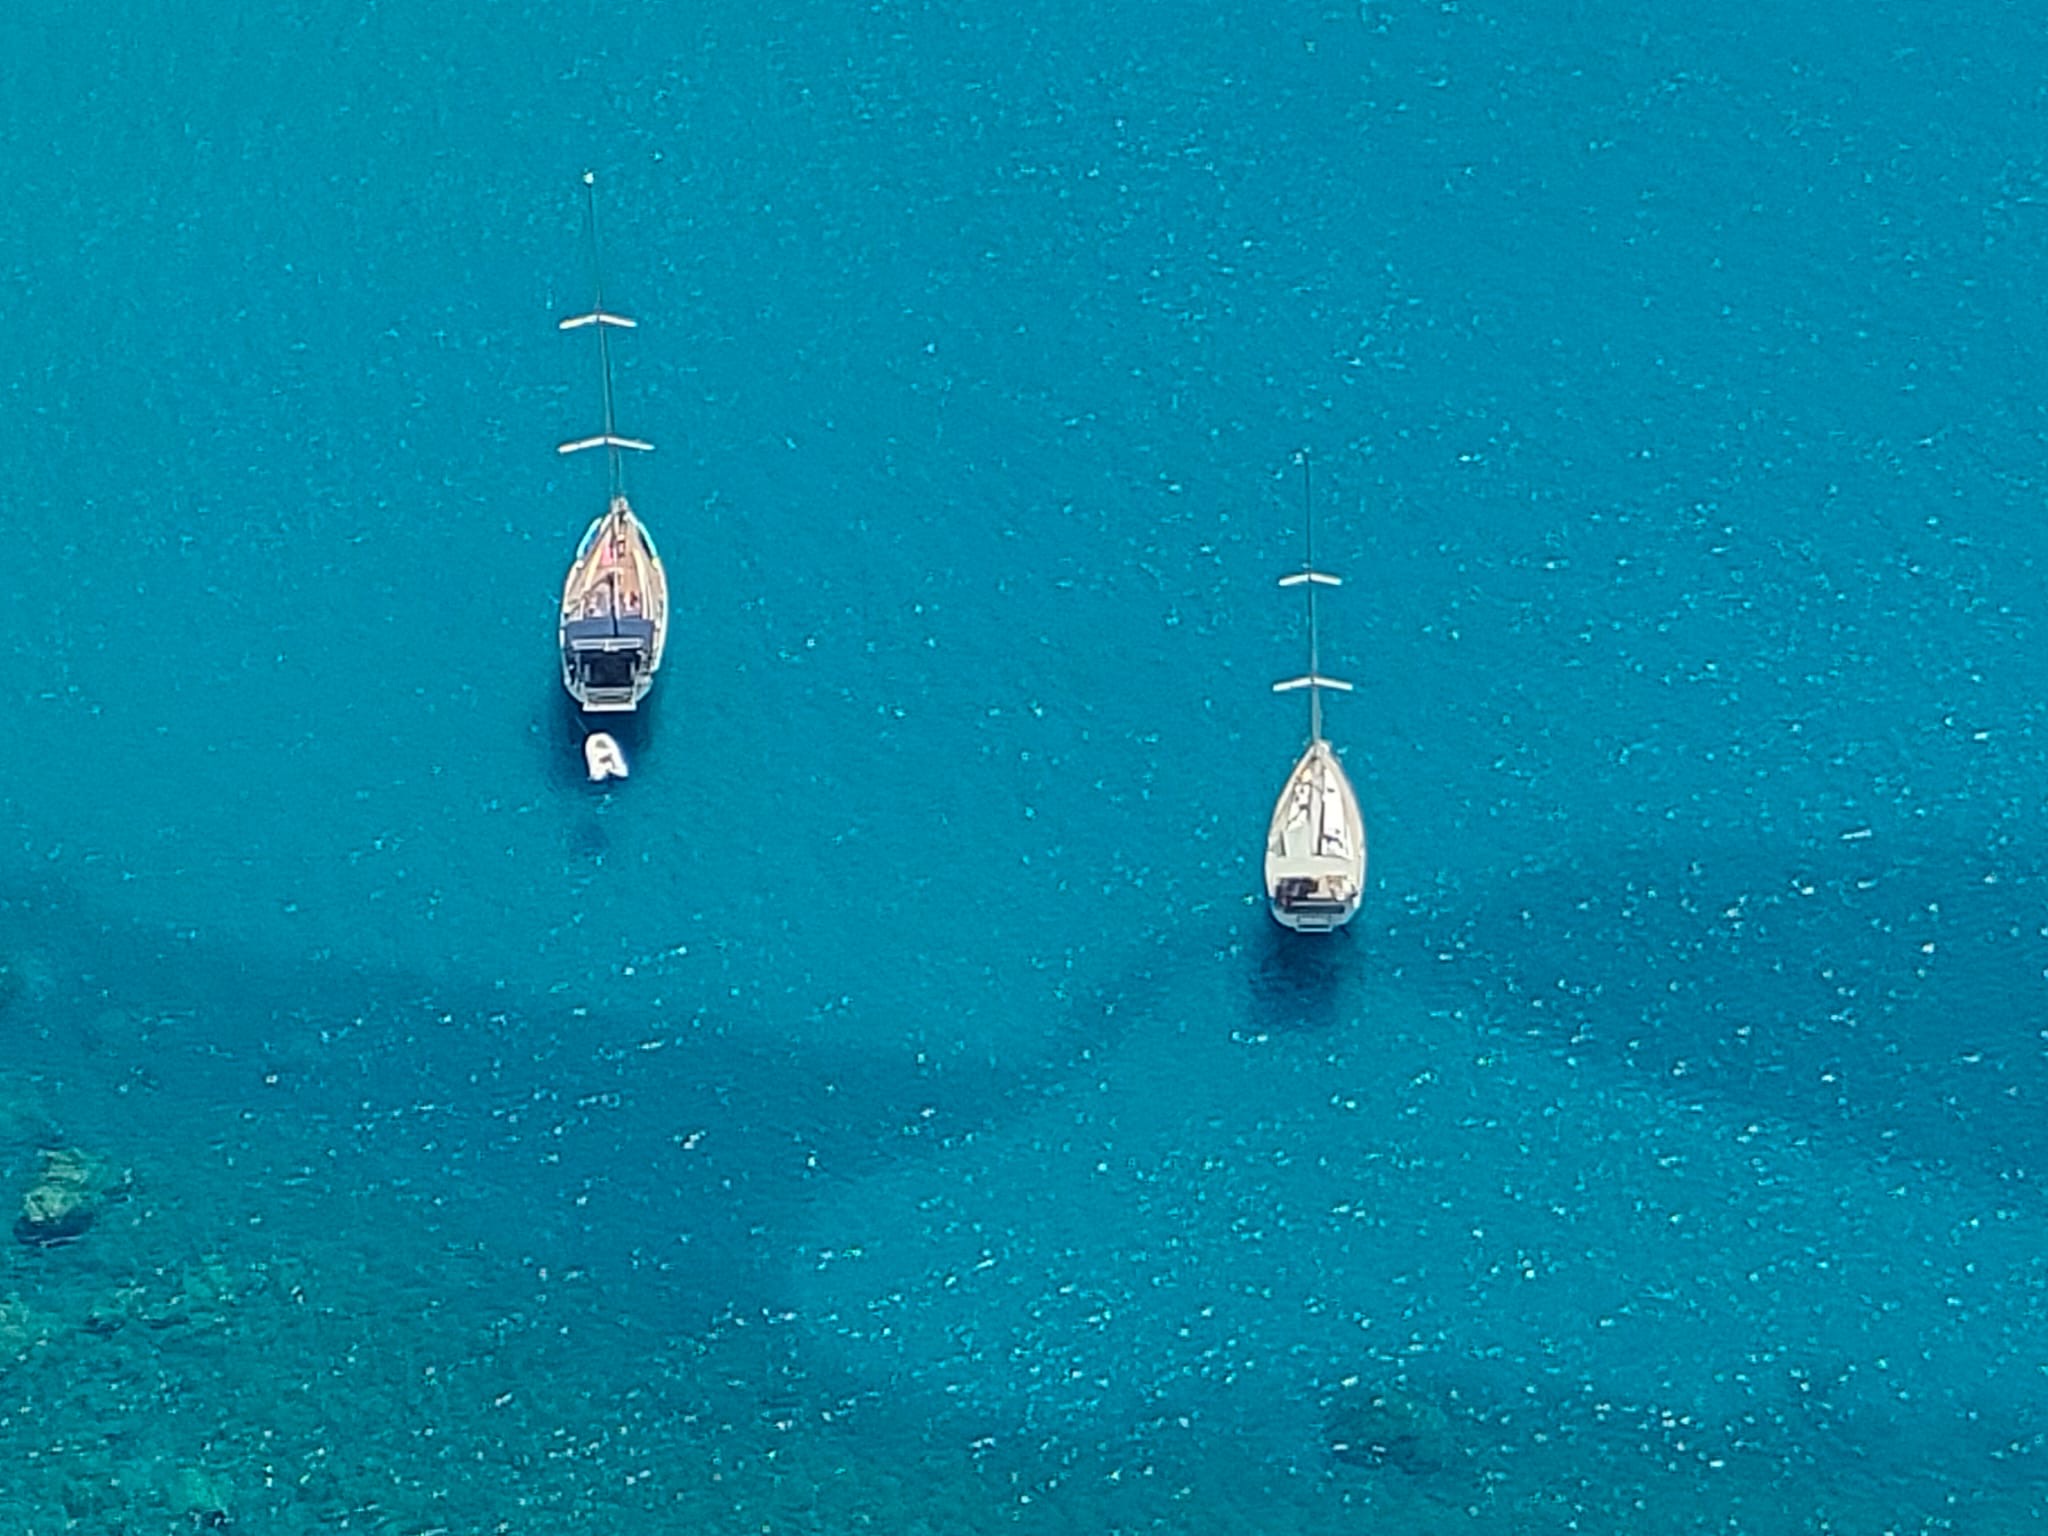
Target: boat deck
column 616, row 574
column 614, row 613
column 1315, row 845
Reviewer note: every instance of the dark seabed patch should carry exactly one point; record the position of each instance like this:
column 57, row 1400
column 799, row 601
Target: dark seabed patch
column 1893, row 997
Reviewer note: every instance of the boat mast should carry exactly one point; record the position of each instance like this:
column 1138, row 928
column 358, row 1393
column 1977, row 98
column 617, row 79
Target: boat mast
column 1311, row 578
column 604, row 320
column 1308, row 563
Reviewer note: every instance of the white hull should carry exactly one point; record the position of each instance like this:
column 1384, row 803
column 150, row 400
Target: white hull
column 1315, row 846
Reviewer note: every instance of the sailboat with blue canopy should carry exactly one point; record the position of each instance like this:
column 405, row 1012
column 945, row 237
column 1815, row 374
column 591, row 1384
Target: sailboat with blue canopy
column 614, row 616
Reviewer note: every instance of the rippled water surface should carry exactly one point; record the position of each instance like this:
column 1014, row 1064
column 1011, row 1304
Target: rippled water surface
column 891, row 1109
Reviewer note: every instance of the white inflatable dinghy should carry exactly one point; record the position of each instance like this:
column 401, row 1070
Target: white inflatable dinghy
column 602, row 757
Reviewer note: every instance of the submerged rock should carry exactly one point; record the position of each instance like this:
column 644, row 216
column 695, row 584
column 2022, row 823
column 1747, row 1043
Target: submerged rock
column 203, row 1496
column 193, row 1297
column 65, row 1199
column 1391, row 1428
column 22, row 1331
column 24, row 979
column 24, row 1122
column 112, row 1032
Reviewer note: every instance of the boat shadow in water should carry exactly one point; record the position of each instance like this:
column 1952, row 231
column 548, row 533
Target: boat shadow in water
column 1295, row 983
column 562, row 729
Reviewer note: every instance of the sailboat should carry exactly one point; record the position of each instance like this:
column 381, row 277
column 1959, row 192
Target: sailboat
column 614, row 621
column 1315, row 844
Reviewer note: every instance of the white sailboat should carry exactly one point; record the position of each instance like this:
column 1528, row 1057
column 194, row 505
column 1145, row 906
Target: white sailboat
column 614, row 616
column 1315, row 844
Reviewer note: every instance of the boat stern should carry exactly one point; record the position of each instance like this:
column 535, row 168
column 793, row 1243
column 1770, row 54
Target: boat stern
column 608, row 664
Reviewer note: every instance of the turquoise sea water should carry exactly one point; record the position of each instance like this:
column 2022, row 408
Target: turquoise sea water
column 891, row 1109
